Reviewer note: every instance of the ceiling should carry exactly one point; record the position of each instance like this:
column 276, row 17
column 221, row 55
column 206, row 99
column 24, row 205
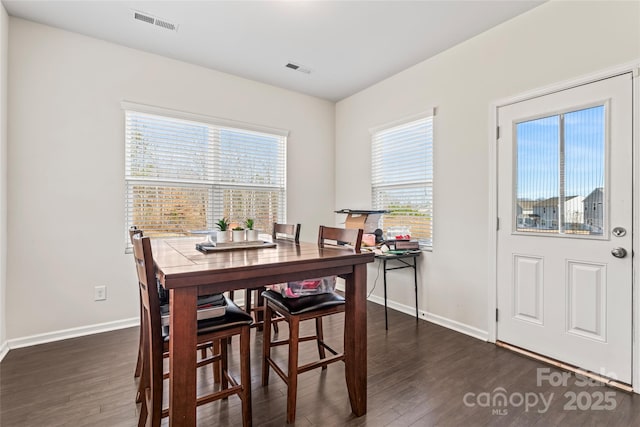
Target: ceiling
column 346, row 45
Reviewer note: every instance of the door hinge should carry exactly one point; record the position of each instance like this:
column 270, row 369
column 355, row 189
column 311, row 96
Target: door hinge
column 497, row 132
column 496, row 314
column 497, row 223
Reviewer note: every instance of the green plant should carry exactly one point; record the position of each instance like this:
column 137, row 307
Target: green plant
column 249, row 224
column 223, row 224
column 238, row 228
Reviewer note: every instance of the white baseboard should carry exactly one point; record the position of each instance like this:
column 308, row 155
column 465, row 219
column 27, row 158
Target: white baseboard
column 457, row 326
column 4, row 349
column 135, row 321
column 71, row 333
column 433, row 318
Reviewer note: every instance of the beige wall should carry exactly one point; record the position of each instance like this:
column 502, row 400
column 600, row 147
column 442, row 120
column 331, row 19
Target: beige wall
column 4, row 40
column 66, row 166
column 552, row 43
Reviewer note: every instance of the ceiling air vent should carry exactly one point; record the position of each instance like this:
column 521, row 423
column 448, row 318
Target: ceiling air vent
column 150, row 19
column 165, row 24
column 298, row 67
column 140, row 17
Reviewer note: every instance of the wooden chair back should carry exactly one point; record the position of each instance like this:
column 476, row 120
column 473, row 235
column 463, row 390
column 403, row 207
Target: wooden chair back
column 152, row 336
column 133, row 230
column 340, row 236
column 287, row 231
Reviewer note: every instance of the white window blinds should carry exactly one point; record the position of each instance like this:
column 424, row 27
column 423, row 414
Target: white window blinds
column 183, row 175
column 402, row 177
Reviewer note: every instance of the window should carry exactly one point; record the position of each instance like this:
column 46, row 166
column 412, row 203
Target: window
column 184, row 172
column 561, row 164
column 402, row 176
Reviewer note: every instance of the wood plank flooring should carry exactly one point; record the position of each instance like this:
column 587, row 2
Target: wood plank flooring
column 418, row 375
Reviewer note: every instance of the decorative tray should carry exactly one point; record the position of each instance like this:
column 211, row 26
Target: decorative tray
column 207, row 247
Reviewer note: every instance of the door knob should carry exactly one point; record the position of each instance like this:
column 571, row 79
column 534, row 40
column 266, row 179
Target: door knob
column 619, row 252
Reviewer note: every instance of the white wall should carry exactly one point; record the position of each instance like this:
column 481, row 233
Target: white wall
column 552, row 43
column 4, row 43
column 66, row 166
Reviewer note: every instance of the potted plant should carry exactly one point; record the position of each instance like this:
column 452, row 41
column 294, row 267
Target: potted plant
column 223, row 234
column 252, row 235
column 238, row 234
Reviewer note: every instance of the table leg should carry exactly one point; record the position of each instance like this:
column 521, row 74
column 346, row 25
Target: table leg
column 384, row 275
column 182, row 357
column 355, row 338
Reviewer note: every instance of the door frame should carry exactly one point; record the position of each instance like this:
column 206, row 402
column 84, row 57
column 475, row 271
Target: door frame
column 492, row 289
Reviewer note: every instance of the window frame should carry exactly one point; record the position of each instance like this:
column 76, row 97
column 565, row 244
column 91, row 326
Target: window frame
column 213, row 184
column 426, row 243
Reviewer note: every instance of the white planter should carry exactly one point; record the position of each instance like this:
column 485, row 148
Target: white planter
column 252, row 235
column 238, row 236
column 223, row 236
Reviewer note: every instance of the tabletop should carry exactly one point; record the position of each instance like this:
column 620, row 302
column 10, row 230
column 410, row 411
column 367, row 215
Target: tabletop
column 181, row 264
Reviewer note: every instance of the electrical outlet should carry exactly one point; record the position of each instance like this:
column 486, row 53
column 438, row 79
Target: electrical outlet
column 100, row 293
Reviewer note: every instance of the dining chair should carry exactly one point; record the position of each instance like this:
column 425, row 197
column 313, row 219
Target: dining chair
column 132, row 231
column 296, row 310
column 253, row 300
column 156, row 344
column 163, row 296
column 286, row 231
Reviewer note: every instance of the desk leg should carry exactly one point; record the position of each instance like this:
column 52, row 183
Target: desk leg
column 355, row 338
column 415, row 283
column 182, row 357
column 384, row 275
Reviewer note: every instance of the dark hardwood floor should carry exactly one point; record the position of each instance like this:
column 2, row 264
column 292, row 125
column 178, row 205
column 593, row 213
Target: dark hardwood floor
column 419, row 375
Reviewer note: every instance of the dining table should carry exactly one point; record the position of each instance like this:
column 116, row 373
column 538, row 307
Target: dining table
column 186, row 272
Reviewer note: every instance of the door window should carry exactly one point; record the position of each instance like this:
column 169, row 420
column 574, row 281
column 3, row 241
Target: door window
column 560, row 174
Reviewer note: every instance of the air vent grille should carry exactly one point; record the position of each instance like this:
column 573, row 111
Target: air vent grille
column 298, row 67
column 153, row 20
column 144, row 18
column 164, row 24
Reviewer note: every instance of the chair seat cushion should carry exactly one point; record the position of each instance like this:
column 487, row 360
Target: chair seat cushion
column 303, row 304
column 233, row 316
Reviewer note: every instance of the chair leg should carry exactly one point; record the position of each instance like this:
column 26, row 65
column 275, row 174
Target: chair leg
column 231, row 297
column 259, row 305
column 266, row 344
column 143, row 386
column 141, row 358
column 216, row 349
column 320, row 340
column 144, row 413
column 247, row 301
column 292, row 373
column 275, row 327
column 138, row 370
column 245, row 377
column 140, row 391
column 224, row 361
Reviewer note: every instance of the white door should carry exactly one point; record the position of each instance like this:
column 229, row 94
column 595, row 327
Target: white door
column 565, row 218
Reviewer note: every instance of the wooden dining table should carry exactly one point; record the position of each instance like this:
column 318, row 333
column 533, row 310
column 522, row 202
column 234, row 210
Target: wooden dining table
column 186, row 273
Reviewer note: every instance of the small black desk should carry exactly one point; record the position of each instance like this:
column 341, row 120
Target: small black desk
column 403, row 261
